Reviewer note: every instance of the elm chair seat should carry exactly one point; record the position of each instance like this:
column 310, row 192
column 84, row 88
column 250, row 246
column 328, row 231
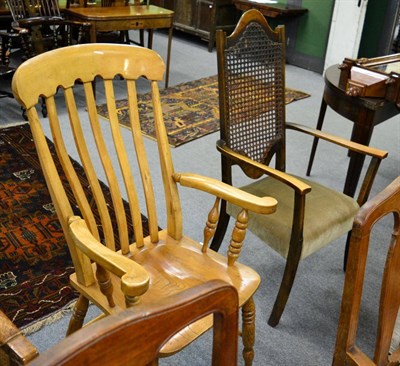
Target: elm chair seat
column 324, row 223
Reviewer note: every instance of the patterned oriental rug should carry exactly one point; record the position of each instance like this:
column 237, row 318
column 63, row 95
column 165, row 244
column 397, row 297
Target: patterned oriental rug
column 191, row 110
column 34, row 259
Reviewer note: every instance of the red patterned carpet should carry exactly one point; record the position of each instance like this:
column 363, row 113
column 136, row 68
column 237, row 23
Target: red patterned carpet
column 191, row 110
column 34, row 258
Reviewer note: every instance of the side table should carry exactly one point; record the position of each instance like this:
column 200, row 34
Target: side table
column 365, row 113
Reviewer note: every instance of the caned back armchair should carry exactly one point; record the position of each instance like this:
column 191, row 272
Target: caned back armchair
column 144, row 269
column 347, row 349
column 251, row 76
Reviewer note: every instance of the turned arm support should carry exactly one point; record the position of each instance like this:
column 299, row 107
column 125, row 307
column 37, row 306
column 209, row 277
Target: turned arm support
column 247, row 201
column 134, row 278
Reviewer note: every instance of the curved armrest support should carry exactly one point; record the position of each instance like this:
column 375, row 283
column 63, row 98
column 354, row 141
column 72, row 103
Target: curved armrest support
column 354, row 146
column 261, row 205
column 134, row 278
column 299, row 186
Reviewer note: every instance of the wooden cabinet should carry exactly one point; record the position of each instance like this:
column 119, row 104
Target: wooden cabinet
column 202, row 17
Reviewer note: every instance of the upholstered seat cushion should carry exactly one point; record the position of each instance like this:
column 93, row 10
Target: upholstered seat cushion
column 328, row 215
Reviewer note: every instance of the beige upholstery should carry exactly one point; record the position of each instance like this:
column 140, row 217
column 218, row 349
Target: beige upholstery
column 322, row 224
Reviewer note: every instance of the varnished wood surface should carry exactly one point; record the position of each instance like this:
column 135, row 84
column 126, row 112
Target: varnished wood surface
column 122, row 13
column 126, row 18
column 135, row 337
column 270, row 10
column 14, row 344
column 365, row 113
column 385, row 204
column 253, row 135
column 153, row 267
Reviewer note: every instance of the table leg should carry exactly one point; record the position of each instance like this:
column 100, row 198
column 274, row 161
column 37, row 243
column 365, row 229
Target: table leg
column 321, row 117
column 150, row 39
column 168, row 56
column 362, row 133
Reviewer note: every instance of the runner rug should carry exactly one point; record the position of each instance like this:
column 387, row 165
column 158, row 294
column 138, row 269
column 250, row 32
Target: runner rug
column 34, row 259
column 191, row 110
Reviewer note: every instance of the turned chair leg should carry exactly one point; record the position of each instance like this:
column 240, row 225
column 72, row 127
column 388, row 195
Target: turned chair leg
column 78, row 315
column 248, row 331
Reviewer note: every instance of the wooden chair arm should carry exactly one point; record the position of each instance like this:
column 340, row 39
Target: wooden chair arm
column 135, row 337
column 29, row 22
column 14, row 344
column 354, row 146
column 261, row 205
column 7, row 34
column 134, row 278
column 298, row 186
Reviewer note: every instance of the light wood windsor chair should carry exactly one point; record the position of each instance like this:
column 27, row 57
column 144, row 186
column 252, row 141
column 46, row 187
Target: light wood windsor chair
column 251, row 76
column 166, row 261
column 135, row 337
column 347, row 350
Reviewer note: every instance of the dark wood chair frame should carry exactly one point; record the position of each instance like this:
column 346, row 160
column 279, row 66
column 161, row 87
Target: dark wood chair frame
column 255, row 167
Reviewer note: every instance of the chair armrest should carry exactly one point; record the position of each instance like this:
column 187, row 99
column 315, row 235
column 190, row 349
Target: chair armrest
column 354, row 146
column 134, row 278
column 29, row 22
column 14, row 343
column 8, row 34
column 299, row 186
column 260, row 205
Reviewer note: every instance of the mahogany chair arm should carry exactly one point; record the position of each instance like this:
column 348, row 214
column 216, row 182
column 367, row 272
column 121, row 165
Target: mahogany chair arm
column 298, row 186
column 236, row 196
column 15, row 348
column 134, row 278
column 354, row 146
column 377, row 155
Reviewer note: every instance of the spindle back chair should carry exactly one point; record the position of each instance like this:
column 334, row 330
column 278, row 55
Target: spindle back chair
column 140, row 269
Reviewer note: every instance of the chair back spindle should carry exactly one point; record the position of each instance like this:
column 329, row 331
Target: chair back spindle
column 123, row 260
column 111, row 158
